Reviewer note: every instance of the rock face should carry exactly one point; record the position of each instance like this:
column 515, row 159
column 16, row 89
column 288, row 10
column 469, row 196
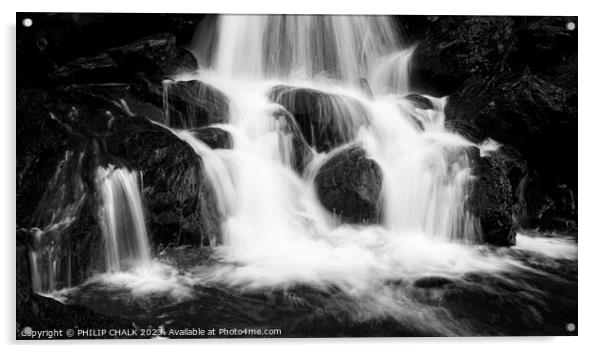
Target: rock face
column 326, row 120
column 512, row 109
column 349, row 185
column 529, row 116
column 490, row 200
column 192, row 104
column 72, row 131
column 457, row 47
column 59, row 38
column 513, row 79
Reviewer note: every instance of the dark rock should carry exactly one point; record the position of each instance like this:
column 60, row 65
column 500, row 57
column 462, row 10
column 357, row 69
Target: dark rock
column 522, row 111
column 56, row 167
column 326, row 120
column 156, row 57
column 529, row 116
column 192, row 104
column 545, row 43
column 180, row 202
column 419, row 101
column 349, row 185
column 490, row 201
column 55, row 39
column 43, row 313
column 39, row 155
column 214, row 137
column 458, row 47
column 413, row 28
column 24, row 283
column 150, row 54
column 181, row 61
column 100, row 68
column 431, row 282
column 544, row 208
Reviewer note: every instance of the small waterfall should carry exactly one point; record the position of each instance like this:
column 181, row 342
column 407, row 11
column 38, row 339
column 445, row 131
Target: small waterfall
column 59, row 207
column 121, row 218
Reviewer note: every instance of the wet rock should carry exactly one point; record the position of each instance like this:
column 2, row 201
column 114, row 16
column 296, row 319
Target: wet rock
column 214, row 137
column 180, row 205
column 152, row 59
column 150, row 54
column 457, row 47
column 431, row 282
column 56, row 39
column 40, row 313
column 24, row 283
column 419, row 101
column 514, row 109
column 528, row 116
column 43, row 313
column 192, row 104
column 100, row 68
column 349, row 185
column 40, row 154
column 180, row 202
column 326, row 120
column 545, row 43
column 522, row 111
column 292, row 141
column 490, row 200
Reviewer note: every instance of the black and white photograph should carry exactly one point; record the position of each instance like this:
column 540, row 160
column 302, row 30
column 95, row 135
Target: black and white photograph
column 272, row 176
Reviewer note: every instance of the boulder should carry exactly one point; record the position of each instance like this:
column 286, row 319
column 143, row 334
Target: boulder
column 490, row 201
column 214, row 137
column 419, row 101
column 325, row 119
column 193, row 104
column 181, row 207
column 349, row 185
column 457, row 47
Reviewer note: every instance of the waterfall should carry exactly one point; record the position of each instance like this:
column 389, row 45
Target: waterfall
column 342, row 47
column 339, row 81
column 121, row 219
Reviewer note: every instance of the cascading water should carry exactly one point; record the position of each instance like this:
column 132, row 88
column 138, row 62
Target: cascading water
column 122, row 219
column 311, row 65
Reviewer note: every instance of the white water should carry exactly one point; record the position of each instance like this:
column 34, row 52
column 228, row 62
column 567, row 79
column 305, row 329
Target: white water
column 122, row 219
column 266, row 46
column 275, row 230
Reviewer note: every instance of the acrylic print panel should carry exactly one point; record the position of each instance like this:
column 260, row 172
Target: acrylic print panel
column 227, row 176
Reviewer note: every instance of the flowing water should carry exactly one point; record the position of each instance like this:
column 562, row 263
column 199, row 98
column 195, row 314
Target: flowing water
column 288, row 262
column 122, row 219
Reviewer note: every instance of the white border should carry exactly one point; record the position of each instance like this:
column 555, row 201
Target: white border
column 590, row 244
